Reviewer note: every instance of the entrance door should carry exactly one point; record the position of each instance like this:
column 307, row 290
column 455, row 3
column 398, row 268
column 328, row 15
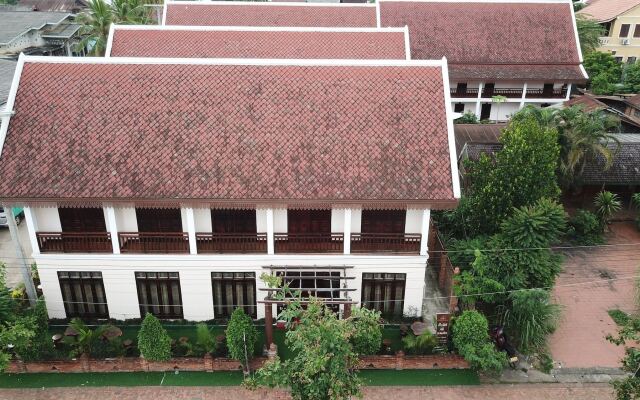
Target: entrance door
column 485, row 111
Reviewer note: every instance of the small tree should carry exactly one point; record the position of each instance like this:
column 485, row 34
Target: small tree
column 153, row 340
column 367, row 331
column 589, row 32
column 241, row 338
column 471, row 338
column 607, row 204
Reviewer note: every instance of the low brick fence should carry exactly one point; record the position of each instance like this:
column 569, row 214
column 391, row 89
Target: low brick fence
column 209, row 364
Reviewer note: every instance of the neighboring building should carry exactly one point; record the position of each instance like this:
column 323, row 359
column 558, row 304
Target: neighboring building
column 206, row 173
column 37, row 33
column 626, row 109
column 252, row 42
column 65, row 6
column 493, row 48
column 621, row 22
column 7, row 69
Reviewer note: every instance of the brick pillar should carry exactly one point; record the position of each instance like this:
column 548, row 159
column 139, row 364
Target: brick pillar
column 144, row 364
column 268, row 323
column 347, row 311
column 19, row 365
column 208, row 362
column 400, row 360
column 84, row 363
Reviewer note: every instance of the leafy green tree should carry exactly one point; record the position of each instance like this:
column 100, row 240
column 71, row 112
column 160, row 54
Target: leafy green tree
column 129, row 12
column 477, row 283
column 367, row 331
column 241, row 337
column 586, row 228
column 530, row 318
column 600, row 63
column 153, row 340
column 603, row 84
column 19, row 333
column 589, row 33
column 470, row 334
column 631, row 78
column 324, row 365
column 628, row 388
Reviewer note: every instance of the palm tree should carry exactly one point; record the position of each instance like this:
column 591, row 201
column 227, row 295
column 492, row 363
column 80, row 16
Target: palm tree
column 589, row 32
column 607, row 204
column 129, row 12
column 95, row 21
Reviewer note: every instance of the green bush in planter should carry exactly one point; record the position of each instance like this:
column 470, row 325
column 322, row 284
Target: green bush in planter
column 153, row 340
column 241, row 337
column 471, row 338
column 587, row 228
column 367, row 331
column 419, row 345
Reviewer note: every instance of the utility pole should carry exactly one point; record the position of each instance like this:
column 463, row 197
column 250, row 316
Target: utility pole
column 24, row 267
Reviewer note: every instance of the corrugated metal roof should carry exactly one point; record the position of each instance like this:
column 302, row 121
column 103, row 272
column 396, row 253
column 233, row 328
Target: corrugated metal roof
column 15, row 23
column 7, row 68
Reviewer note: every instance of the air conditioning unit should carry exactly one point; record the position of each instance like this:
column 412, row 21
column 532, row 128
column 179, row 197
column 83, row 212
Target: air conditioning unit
column 625, row 42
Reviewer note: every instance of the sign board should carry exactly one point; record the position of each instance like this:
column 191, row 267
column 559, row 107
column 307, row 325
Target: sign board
column 442, row 327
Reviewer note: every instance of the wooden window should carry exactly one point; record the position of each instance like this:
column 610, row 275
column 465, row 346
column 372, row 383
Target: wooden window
column 383, row 221
column 159, row 219
column 232, row 290
column 309, row 221
column 159, row 294
column 384, row 292
column 485, row 111
column 233, row 221
column 83, row 294
column 636, row 31
column 458, row 107
column 82, row 220
column 624, row 30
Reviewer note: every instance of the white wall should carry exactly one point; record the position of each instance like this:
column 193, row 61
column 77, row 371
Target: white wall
column 202, row 218
column 48, row 219
column 261, row 220
column 337, row 220
column 280, row 220
column 126, row 219
column 413, row 223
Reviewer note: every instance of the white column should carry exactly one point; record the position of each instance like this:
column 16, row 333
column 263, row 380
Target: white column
column 191, row 230
column 568, row 92
column 347, row 231
column 270, row 236
column 424, row 239
column 113, row 228
column 32, row 227
column 524, row 95
column 480, row 88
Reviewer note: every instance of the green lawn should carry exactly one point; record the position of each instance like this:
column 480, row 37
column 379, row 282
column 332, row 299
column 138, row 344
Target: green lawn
column 371, row 378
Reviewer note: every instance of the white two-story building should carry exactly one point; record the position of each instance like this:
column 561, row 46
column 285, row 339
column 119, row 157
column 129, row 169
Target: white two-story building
column 170, row 185
column 525, row 52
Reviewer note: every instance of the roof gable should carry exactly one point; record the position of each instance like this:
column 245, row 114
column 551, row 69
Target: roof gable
column 234, row 131
column 607, row 10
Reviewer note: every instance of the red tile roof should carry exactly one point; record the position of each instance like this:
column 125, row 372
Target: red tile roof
column 271, row 14
column 587, row 102
column 571, row 73
column 228, row 133
column 473, row 34
column 607, row 10
column 199, row 43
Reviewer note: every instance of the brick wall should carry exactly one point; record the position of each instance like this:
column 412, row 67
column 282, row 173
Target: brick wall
column 402, row 361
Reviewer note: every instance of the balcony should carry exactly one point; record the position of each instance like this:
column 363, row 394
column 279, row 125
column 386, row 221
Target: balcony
column 512, row 93
column 385, row 242
column 547, row 93
column 231, row 242
column 74, row 242
column 308, row 243
column 467, row 92
column 154, row 242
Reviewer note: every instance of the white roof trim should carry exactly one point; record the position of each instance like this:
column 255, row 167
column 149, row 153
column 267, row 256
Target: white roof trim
column 584, row 71
column 107, row 52
column 250, row 28
column 407, row 47
column 378, row 20
column 4, row 125
column 164, row 14
column 234, row 61
column 264, row 3
column 455, row 176
column 482, row 1
column 575, row 31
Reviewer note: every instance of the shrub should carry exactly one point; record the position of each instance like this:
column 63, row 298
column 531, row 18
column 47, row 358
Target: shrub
column 153, row 340
column 620, row 317
column 367, row 332
column 467, row 118
column 241, row 337
column 531, row 318
column 586, row 228
column 462, row 252
column 205, row 342
column 607, row 204
column 419, row 345
column 471, row 338
column 41, row 345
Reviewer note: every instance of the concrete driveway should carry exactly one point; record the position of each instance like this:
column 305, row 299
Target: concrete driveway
column 8, row 253
column 594, row 281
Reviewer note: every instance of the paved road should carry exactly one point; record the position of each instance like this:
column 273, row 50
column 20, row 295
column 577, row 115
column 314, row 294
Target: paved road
column 8, row 253
column 483, row 392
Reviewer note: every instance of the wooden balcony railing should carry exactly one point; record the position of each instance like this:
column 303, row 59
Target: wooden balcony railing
column 154, row 242
column 547, row 94
column 231, row 242
column 471, row 92
column 385, row 242
column 309, row 242
column 76, row 242
column 506, row 92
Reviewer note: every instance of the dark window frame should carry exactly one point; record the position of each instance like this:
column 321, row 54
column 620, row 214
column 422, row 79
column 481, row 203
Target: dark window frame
column 458, row 107
column 246, row 281
column 159, row 220
column 234, row 221
column 157, row 307
column 78, row 302
column 386, row 283
column 309, row 221
column 383, row 221
column 624, row 30
column 82, row 219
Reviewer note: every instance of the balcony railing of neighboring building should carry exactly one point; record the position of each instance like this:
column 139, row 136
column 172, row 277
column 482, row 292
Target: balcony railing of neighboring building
column 467, row 92
column 385, row 242
column 231, row 242
column 74, row 242
column 506, row 92
column 154, row 242
column 604, row 40
column 547, row 93
column 308, row 242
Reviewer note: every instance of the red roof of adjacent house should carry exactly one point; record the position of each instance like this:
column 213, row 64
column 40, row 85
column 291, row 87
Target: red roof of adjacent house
column 606, row 10
column 270, row 14
column 517, row 72
column 495, row 36
column 587, row 102
column 103, row 129
column 255, row 43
